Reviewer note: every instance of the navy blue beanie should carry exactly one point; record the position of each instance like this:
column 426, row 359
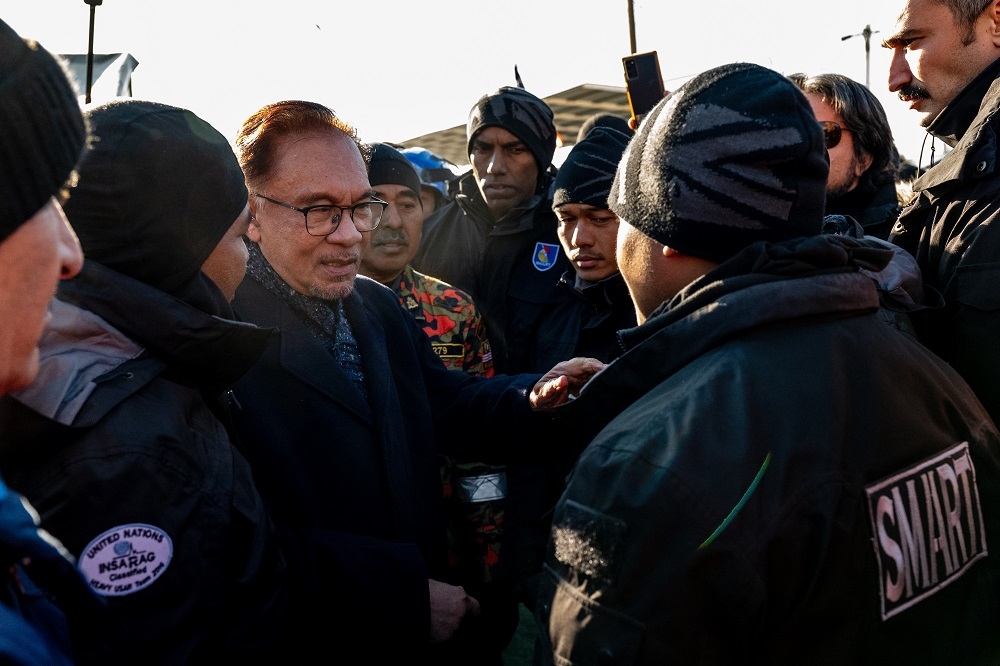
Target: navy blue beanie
column 586, row 174
column 42, row 130
column 388, row 166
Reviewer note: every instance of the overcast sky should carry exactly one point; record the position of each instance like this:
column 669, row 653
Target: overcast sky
column 398, row 69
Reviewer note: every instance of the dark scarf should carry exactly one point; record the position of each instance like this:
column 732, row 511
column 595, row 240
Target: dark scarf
column 325, row 319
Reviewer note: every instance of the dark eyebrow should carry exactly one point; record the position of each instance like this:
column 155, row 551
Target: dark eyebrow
column 476, row 143
column 897, row 40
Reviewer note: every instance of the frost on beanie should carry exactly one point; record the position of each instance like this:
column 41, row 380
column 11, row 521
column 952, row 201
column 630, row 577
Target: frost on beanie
column 733, row 157
column 586, row 175
column 42, row 131
column 522, row 114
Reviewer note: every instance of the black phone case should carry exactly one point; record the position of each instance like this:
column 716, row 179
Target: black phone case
column 643, row 82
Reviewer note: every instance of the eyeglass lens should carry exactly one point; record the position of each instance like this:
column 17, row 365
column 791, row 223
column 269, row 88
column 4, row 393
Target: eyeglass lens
column 831, row 133
column 323, row 220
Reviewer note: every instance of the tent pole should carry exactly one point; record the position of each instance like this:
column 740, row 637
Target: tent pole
column 90, row 46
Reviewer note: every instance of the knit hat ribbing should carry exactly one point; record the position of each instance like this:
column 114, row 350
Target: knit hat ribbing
column 586, row 174
column 157, row 192
column 733, row 157
column 42, row 131
column 390, row 167
column 522, row 114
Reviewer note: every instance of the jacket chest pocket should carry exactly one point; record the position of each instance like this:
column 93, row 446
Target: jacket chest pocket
column 977, row 287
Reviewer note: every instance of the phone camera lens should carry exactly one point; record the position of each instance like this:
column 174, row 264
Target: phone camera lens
column 630, row 69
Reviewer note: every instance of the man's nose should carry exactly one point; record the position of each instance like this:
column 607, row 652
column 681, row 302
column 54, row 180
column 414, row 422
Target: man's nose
column 498, row 163
column 899, row 70
column 391, row 218
column 345, row 234
column 582, row 236
column 70, row 252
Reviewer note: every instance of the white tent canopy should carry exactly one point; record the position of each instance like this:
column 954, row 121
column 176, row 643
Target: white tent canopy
column 111, row 76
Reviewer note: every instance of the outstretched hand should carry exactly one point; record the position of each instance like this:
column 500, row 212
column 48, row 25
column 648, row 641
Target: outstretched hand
column 563, row 382
column 449, row 606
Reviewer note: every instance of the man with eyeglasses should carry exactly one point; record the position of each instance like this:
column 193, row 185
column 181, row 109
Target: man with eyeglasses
column 946, row 67
column 863, row 158
column 339, row 418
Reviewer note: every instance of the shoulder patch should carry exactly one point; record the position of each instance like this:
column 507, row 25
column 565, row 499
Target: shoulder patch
column 126, row 559
column 928, row 528
column 545, row 256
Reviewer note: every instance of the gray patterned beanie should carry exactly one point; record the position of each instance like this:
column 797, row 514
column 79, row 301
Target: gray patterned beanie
column 733, row 157
column 587, row 173
column 42, row 131
column 522, row 114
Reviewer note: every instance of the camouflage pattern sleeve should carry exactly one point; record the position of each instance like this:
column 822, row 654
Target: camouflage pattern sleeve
column 450, row 319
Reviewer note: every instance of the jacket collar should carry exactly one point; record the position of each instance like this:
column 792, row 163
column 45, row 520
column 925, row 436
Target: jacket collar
column 305, row 357
column 764, row 284
column 955, row 119
column 198, row 348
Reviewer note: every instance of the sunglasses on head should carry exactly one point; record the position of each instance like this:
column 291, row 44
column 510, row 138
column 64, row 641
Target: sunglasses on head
column 832, row 133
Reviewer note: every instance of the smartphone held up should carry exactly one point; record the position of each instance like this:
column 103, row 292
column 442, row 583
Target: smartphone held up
column 643, row 83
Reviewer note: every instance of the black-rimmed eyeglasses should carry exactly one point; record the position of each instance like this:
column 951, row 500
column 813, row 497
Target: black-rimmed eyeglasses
column 323, row 219
column 832, row 133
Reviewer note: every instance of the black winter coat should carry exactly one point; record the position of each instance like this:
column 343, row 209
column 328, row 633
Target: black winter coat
column 118, row 446
column 953, row 229
column 779, row 477
column 354, row 486
column 510, row 267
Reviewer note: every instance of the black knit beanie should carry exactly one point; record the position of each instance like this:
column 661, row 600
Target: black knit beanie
column 390, row 167
column 603, row 119
column 42, row 132
column 734, row 156
column 157, row 192
column 522, row 114
column 587, row 173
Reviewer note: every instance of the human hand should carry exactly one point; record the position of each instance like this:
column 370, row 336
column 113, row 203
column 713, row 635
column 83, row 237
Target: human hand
column 563, row 382
column 449, row 606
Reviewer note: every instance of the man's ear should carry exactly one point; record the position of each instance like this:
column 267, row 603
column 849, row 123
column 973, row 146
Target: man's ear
column 862, row 165
column 253, row 231
column 992, row 13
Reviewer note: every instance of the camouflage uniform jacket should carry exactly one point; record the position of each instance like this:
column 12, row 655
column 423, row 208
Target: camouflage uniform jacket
column 449, row 318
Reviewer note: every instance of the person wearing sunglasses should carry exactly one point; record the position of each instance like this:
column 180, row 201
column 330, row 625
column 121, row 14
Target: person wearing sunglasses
column 863, row 156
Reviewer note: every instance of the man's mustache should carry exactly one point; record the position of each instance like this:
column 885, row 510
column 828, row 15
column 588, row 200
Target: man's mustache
column 913, row 91
column 387, row 236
